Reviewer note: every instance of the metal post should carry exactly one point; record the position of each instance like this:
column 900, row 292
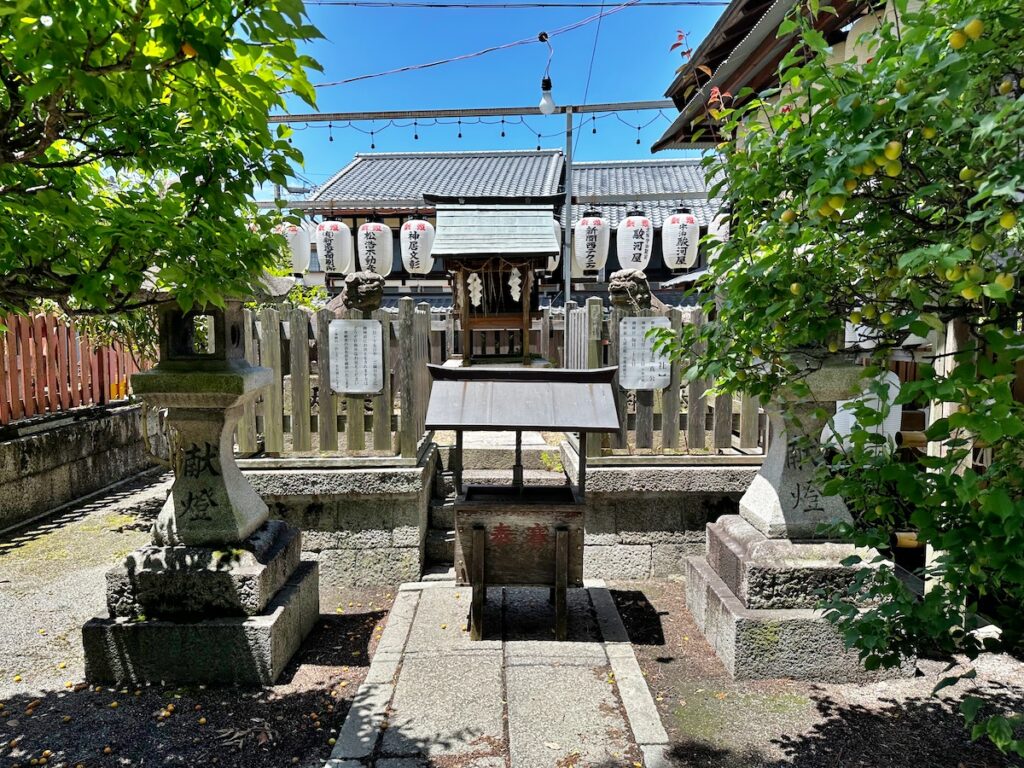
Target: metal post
column 567, row 209
column 517, row 468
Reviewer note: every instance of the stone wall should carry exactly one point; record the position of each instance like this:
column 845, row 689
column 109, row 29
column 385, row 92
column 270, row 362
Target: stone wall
column 644, row 521
column 67, row 459
column 365, row 526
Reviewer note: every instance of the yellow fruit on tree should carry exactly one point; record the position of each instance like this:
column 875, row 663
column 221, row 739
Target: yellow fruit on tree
column 869, row 311
column 850, row 184
column 1005, row 87
column 976, row 273
column 833, row 346
column 885, row 318
column 902, row 87
column 928, row 132
column 1005, row 281
column 979, row 241
column 957, row 39
column 837, row 202
column 855, row 317
column 954, row 273
column 1008, row 220
column 893, row 150
column 966, row 174
column 825, row 210
column 187, row 50
column 971, row 292
column 788, row 216
column 869, row 168
column 756, row 351
column 880, row 160
column 797, row 289
column 893, row 168
column 974, row 28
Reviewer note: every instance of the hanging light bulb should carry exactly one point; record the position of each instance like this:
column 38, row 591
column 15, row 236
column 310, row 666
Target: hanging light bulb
column 503, row 127
column 547, row 104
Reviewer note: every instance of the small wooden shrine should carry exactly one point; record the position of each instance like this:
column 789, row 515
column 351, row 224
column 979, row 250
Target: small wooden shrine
column 492, row 247
column 520, row 535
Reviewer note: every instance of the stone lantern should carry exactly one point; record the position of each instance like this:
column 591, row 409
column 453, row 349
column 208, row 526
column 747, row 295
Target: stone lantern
column 220, row 595
column 754, row 593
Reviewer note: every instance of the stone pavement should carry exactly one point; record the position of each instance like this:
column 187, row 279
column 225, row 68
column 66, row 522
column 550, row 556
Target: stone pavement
column 516, row 699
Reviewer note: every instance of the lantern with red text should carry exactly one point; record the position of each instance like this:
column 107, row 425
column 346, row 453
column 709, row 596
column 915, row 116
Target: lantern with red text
column 634, row 238
column 679, row 236
column 417, row 240
column 591, row 238
column 334, row 247
column 375, row 248
column 297, row 237
column 553, row 261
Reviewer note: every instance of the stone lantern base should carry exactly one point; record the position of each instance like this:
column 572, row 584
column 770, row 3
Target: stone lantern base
column 196, row 615
column 754, row 593
column 753, row 598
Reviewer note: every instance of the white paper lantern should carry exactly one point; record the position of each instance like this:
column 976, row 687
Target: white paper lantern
column 417, row 240
column 375, row 248
column 634, row 238
column 679, row 236
column 334, row 247
column 298, row 243
column 553, row 261
column 591, row 237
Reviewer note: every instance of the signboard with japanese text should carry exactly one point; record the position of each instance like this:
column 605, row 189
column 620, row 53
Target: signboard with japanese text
column 357, row 357
column 640, row 367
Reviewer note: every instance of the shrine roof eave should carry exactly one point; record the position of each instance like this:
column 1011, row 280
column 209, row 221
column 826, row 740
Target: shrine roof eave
column 504, row 399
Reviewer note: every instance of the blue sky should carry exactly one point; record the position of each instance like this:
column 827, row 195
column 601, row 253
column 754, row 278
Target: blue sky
column 632, row 62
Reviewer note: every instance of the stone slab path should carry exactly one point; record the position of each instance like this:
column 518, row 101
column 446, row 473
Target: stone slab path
column 516, row 699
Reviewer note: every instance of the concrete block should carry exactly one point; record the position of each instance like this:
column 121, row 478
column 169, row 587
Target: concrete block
column 670, row 559
column 599, row 526
column 249, row 651
column 363, row 723
column 620, row 561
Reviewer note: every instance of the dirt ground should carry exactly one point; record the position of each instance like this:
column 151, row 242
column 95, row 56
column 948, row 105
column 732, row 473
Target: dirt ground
column 715, row 722
column 51, row 581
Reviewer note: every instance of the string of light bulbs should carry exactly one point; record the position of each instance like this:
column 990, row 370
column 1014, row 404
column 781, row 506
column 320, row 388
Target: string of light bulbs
column 378, row 127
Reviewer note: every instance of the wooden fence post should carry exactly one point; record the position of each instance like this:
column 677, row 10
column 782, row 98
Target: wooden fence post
column 382, row 404
column 595, row 354
column 406, row 344
column 696, row 404
column 618, row 439
column 670, row 397
column 749, row 422
column 273, row 400
column 298, row 324
column 327, row 421
column 247, row 424
column 355, row 405
column 645, row 408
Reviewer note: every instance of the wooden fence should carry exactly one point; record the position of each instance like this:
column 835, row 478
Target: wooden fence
column 300, row 412
column 47, row 366
column 677, row 419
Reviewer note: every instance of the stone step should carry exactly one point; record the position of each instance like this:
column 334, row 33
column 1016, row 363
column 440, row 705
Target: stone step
column 441, row 572
column 499, row 477
column 440, row 546
column 442, row 514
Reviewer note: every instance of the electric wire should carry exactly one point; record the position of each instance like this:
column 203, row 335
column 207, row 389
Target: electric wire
column 492, row 49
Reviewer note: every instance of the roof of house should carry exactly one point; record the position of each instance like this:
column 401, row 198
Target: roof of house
column 400, row 179
column 743, row 50
column 639, row 177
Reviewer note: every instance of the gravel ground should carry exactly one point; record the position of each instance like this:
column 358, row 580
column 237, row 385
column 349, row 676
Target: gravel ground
column 713, row 721
column 52, row 581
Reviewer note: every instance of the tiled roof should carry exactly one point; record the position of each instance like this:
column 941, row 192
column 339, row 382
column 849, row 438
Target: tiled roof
column 403, row 176
column 639, row 177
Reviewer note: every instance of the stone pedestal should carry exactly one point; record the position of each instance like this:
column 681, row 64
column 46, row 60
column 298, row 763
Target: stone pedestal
column 753, row 594
column 221, row 596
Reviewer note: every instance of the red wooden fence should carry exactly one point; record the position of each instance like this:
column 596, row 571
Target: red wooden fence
column 47, row 366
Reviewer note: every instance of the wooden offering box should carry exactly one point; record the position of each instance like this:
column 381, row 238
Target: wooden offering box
column 520, row 535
